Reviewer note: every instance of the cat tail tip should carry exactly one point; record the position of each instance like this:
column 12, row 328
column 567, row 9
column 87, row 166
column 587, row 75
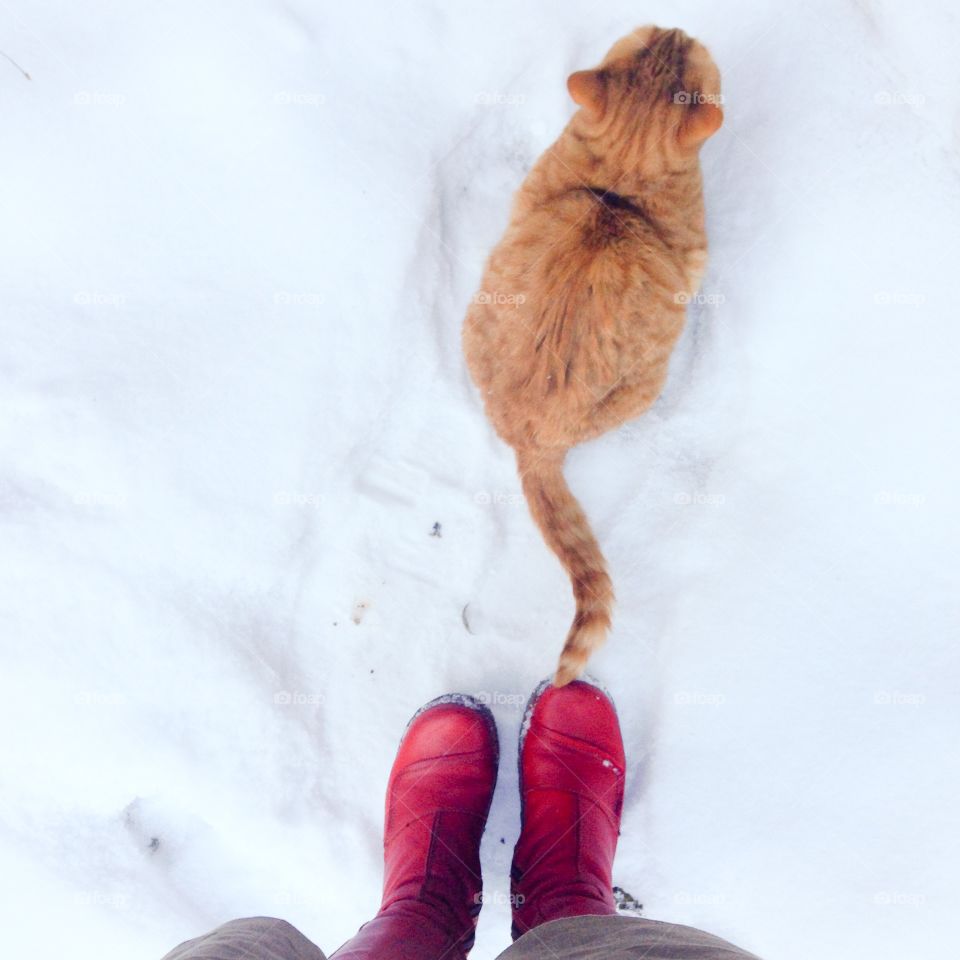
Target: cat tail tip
column 584, row 638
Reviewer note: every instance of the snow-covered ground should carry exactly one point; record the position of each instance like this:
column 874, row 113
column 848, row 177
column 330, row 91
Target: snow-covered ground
column 238, row 241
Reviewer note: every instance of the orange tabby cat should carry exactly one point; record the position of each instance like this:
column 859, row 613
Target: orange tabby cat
column 583, row 299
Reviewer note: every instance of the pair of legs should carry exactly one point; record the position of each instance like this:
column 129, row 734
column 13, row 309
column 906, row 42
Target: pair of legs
column 438, row 797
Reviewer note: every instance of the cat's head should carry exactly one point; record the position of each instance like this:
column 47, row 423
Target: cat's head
column 654, row 99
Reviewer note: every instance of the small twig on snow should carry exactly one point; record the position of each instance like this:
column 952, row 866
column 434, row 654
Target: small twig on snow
column 17, row 65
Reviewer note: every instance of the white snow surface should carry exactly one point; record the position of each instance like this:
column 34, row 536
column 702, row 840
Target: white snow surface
column 238, row 243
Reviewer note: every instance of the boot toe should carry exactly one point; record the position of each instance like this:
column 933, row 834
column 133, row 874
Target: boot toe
column 449, row 729
column 447, row 761
column 580, row 711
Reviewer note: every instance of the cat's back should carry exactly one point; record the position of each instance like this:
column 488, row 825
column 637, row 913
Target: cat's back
column 586, row 239
column 578, row 270
column 579, row 294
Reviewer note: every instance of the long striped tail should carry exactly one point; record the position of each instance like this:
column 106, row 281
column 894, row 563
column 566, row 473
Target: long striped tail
column 565, row 528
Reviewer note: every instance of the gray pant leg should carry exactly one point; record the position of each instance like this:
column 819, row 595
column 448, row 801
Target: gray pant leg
column 252, row 938
column 620, row 938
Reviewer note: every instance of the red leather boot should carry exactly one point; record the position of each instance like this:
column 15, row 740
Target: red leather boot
column 571, row 795
column 438, row 798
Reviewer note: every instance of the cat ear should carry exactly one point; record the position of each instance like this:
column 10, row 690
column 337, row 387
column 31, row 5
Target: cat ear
column 588, row 88
column 702, row 121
